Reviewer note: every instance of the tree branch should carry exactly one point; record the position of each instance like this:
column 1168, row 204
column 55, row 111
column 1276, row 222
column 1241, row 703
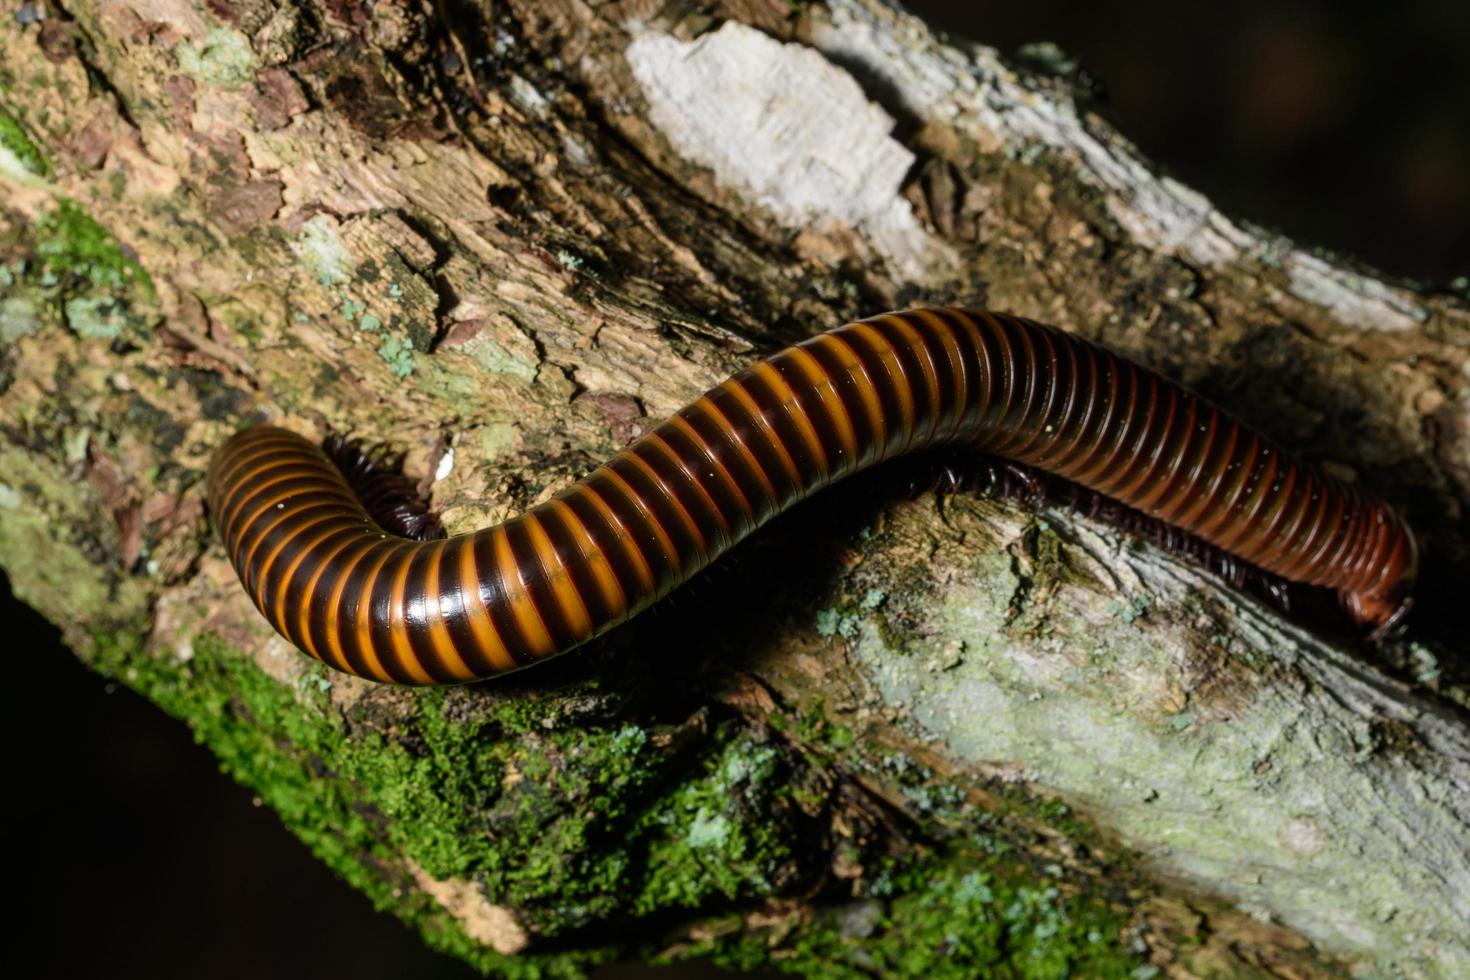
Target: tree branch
column 897, row 735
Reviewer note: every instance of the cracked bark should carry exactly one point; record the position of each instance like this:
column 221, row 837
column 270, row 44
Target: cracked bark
column 501, row 242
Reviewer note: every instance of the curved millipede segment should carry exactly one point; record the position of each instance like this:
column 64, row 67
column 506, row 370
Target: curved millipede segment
column 389, row 497
column 308, row 529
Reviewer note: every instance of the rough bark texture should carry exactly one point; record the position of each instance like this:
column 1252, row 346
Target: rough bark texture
column 897, row 735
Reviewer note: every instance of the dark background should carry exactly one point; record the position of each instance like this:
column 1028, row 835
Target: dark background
column 1342, row 126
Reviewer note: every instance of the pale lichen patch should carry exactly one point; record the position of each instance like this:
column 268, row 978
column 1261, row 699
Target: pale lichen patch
column 223, row 58
column 322, row 250
column 19, row 317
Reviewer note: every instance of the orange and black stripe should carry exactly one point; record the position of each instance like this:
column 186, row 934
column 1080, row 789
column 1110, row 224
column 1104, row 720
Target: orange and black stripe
column 346, row 591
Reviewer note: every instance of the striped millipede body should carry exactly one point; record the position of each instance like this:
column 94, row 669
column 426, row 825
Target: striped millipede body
column 339, row 586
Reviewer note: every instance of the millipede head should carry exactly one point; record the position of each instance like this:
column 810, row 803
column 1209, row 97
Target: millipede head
column 1385, row 602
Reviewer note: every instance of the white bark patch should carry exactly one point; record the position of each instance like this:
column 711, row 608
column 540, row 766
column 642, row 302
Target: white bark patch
column 789, row 130
column 967, row 86
column 1358, row 301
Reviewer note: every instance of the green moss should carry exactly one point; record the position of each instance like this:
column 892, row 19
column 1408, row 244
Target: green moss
column 70, row 243
column 74, row 273
column 720, row 833
column 602, row 819
column 814, row 729
column 569, row 827
column 956, row 917
column 281, row 740
column 18, row 142
column 541, row 831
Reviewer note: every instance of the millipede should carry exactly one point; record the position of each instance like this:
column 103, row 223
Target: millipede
column 326, row 564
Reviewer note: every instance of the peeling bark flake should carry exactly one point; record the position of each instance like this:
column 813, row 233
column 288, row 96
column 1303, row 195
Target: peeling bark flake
column 782, row 125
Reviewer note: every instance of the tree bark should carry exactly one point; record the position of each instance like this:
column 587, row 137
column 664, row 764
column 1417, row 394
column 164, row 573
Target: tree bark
column 897, row 734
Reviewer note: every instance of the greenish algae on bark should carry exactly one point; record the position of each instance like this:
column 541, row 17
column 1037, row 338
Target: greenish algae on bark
column 1213, row 750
